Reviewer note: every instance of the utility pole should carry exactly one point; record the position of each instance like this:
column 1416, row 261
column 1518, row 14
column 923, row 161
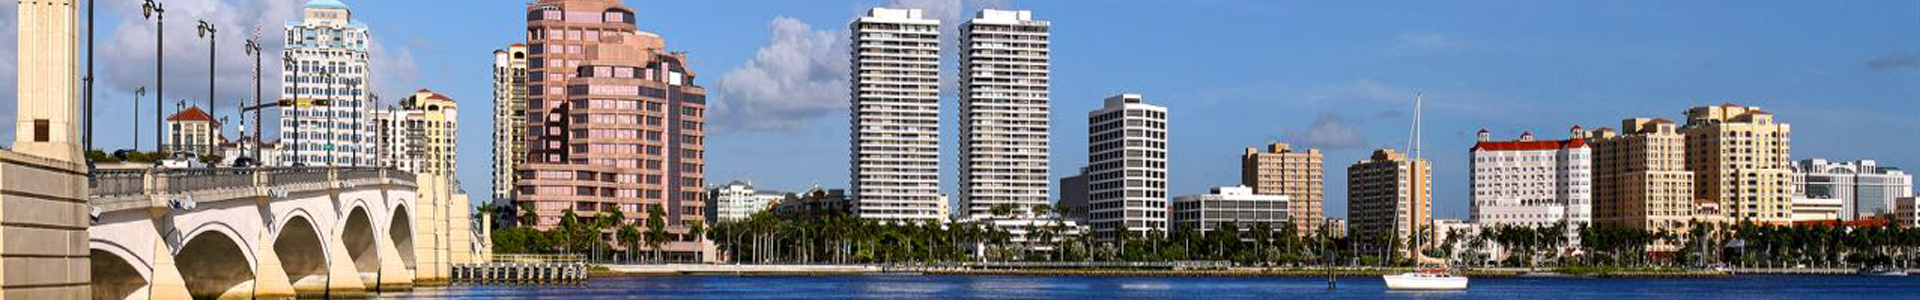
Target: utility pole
column 331, row 140
column 253, row 48
column 87, row 141
column 142, row 92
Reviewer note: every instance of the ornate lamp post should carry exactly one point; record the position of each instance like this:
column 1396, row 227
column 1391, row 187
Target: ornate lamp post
column 213, row 105
column 152, row 9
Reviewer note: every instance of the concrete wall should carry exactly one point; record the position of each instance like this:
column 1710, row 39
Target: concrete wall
column 43, row 228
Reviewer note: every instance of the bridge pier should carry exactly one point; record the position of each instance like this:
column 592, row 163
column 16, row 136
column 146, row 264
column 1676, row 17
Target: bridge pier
column 270, row 279
column 342, row 281
column 166, row 282
column 393, row 275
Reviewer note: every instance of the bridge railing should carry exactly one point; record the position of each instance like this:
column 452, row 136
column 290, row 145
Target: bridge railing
column 190, row 180
column 119, row 182
column 126, row 182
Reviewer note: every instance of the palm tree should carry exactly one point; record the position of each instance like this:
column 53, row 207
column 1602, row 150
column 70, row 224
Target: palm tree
column 656, row 230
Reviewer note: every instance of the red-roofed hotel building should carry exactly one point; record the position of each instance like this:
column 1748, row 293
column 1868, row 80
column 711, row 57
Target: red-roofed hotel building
column 614, row 122
column 1529, row 182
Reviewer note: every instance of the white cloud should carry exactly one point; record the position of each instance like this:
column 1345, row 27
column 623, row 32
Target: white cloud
column 800, row 74
column 1329, row 132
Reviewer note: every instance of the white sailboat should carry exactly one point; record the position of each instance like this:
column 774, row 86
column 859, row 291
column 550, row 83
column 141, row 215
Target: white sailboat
column 1429, row 279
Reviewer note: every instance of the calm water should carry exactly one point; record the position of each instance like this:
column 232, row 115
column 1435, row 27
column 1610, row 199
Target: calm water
column 1007, row 287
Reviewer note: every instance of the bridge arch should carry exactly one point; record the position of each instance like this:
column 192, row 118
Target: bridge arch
column 114, row 275
column 357, row 233
column 400, row 229
column 302, row 251
column 214, row 264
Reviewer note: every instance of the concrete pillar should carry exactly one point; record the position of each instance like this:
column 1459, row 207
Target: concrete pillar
column 343, row 280
column 393, row 274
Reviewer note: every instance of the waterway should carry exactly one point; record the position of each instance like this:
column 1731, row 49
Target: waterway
column 1035, row 287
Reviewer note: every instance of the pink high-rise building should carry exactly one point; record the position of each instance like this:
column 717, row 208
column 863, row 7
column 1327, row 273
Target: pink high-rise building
column 614, row 122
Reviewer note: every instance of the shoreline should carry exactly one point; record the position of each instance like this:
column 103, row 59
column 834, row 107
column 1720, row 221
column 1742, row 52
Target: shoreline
column 845, row 270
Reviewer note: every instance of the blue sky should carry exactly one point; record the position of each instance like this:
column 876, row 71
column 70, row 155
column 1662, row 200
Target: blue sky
column 1338, row 76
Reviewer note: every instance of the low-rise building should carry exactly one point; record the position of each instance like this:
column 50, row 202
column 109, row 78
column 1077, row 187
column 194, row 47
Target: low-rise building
column 1864, row 188
column 739, row 200
column 814, row 203
column 1818, row 209
column 1907, row 211
column 192, row 130
column 1234, row 204
column 1336, row 227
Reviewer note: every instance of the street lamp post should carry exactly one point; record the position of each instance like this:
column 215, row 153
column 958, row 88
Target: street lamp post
column 353, row 120
column 253, row 48
column 153, row 9
column 287, row 60
column 327, row 76
column 213, row 105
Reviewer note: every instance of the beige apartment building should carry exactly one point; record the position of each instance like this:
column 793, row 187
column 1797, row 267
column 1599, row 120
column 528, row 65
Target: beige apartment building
column 1640, row 179
column 1280, row 170
column 1740, row 160
column 1389, row 195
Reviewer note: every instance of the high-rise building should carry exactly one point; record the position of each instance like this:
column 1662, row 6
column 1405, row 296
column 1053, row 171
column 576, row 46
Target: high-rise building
column 1740, row 160
column 896, row 116
column 192, row 130
column 327, row 84
column 1864, row 188
column 1004, row 67
column 1127, row 167
column 1301, row 176
column 1389, row 196
column 1529, row 182
column 509, row 119
column 1230, row 204
column 615, row 121
column 418, row 136
column 430, row 131
column 1640, row 178
column 738, row 200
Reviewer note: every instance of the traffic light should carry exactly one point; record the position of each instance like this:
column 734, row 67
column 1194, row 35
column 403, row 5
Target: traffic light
column 323, row 102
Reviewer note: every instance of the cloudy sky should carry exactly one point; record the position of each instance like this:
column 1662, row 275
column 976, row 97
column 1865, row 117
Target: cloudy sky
column 1338, row 76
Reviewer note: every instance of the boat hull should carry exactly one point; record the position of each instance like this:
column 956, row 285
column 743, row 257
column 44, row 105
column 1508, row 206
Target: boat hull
column 1421, row 283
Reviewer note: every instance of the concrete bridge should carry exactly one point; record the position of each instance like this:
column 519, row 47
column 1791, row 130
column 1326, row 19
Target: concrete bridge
column 271, row 233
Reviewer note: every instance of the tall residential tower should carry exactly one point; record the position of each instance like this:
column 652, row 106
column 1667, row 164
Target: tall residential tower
column 1389, row 196
column 1640, row 179
column 1740, row 159
column 509, row 119
column 327, row 84
column 1003, row 113
column 1529, row 182
column 896, row 116
column 1300, row 175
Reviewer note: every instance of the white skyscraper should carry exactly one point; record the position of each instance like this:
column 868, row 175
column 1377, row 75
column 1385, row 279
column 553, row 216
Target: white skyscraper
column 1530, row 182
column 509, row 119
column 1127, row 167
column 1003, row 113
column 327, row 83
column 896, row 116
